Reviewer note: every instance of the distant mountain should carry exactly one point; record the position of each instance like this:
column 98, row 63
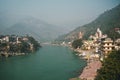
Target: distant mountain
column 37, row 28
column 107, row 22
column 7, row 20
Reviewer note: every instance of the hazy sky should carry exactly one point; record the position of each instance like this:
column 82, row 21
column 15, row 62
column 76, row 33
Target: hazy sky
column 59, row 12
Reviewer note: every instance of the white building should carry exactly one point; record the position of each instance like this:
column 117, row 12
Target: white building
column 107, row 46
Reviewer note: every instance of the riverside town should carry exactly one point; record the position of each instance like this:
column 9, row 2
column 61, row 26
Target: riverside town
column 95, row 50
column 59, row 39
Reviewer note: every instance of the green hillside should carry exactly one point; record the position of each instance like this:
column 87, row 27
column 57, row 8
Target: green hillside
column 107, row 22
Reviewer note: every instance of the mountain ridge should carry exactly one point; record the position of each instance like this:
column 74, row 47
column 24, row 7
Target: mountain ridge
column 37, row 28
column 107, row 22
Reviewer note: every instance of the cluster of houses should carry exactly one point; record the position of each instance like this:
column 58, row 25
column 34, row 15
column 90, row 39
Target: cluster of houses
column 100, row 44
column 14, row 45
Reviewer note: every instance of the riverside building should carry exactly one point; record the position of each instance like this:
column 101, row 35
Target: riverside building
column 107, row 46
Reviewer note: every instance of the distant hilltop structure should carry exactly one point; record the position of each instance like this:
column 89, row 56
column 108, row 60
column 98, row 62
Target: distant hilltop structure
column 98, row 35
column 80, row 35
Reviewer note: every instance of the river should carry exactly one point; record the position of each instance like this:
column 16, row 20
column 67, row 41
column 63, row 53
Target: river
column 48, row 63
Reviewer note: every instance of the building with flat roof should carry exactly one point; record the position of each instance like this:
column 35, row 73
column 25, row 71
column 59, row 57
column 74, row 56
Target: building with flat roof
column 107, row 46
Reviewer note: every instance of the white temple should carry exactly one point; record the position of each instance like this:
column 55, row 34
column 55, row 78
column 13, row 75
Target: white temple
column 99, row 33
column 80, row 35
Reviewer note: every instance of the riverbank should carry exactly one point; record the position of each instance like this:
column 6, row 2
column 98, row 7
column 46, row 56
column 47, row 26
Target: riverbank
column 93, row 64
column 90, row 71
column 11, row 54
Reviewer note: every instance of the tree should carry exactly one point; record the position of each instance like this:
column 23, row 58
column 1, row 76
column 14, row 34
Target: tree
column 110, row 68
column 24, row 47
column 77, row 43
column 36, row 45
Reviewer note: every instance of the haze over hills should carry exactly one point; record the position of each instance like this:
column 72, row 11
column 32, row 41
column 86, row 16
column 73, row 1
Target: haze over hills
column 50, row 18
column 37, row 28
column 107, row 22
column 7, row 20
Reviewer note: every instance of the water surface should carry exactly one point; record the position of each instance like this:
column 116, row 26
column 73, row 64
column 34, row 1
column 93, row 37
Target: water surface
column 48, row 63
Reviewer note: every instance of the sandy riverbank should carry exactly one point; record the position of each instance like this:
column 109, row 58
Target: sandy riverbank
column 90, row 71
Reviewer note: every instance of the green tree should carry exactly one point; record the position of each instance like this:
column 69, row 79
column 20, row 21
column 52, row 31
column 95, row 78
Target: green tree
column 35, row 43
column 110, row 68
column 24, row 47
column 77, row 43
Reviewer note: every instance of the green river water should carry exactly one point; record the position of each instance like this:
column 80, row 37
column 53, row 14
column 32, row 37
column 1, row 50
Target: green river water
column 48, row 63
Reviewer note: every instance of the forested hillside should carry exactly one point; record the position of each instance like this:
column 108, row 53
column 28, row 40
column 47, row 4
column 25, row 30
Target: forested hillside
column 108, row 22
